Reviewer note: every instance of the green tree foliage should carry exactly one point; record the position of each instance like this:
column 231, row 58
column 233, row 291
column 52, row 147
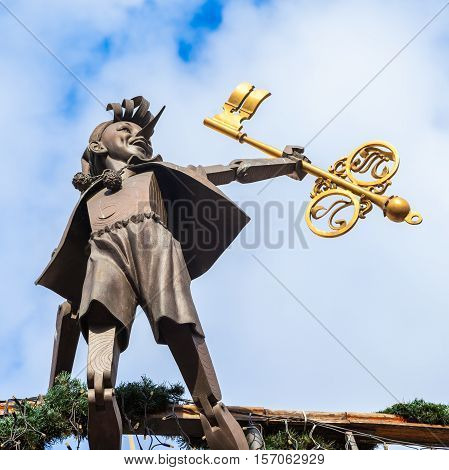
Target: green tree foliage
column 63, row 413
column 420, row 411
column 137, row 399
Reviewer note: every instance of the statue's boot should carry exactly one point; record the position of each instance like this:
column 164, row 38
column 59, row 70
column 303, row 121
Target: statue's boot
column 222, row 430
column 105, row 424
column 192, row 356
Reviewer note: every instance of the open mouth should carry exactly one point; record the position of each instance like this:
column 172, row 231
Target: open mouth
column 142, row 143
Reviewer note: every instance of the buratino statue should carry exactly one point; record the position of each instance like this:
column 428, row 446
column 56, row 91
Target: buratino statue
column 142, row 229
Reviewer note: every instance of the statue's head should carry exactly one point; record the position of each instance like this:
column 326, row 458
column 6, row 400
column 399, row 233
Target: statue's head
column 126, row 138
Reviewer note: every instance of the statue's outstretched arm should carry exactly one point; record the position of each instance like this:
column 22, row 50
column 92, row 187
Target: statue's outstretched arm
column 257, row 169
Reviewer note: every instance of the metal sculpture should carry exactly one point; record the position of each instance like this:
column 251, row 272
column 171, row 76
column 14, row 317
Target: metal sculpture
column 341, row 185
column 142, row 229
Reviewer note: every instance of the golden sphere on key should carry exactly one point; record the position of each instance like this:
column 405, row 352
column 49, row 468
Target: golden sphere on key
column 397, row 209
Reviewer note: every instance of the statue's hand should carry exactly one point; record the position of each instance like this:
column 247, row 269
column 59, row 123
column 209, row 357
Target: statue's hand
column 242, row 170
column 296, row 153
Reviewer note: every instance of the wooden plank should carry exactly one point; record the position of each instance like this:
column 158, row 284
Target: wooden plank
column 9, row 406
column 331, row 425
column 384, row 426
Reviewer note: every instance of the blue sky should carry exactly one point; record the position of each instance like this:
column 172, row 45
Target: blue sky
column 207, row 17
column 381, row 290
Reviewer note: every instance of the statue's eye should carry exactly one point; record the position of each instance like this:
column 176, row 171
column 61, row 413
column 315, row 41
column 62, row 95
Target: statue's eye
column 125, row 129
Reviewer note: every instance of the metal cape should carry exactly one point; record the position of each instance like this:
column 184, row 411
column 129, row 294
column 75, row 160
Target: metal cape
column 200, row 217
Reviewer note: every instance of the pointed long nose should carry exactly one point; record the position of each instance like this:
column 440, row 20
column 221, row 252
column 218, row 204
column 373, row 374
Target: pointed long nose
column 148, row 130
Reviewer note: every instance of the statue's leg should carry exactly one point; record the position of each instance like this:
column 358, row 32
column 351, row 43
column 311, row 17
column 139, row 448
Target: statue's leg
column 66, row 340
column 105, row 424
column 192, row 356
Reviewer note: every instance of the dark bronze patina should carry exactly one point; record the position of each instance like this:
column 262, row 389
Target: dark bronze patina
column 142, row 229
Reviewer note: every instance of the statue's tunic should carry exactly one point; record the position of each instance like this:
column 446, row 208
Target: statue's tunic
column 134, row 260
column 200, row 217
